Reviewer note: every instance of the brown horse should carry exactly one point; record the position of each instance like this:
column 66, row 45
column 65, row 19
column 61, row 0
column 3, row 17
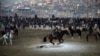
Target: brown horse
column 59, row 38
column 2, row 32
column 95, row 33
column 15, row 32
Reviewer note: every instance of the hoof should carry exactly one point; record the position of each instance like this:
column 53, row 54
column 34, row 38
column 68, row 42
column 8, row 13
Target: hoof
column 79, row 37
column 53, row 44
column 58, row 44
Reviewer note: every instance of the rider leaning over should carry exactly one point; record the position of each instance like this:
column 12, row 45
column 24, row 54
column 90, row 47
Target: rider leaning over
column 56, row 31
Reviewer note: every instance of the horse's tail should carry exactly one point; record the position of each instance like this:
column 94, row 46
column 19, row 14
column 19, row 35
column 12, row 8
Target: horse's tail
column 44, row 39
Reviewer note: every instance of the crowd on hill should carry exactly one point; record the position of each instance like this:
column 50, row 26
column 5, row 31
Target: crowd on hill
column 54, row 21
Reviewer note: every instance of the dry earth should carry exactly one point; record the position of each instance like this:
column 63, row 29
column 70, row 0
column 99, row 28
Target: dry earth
column 29, row 42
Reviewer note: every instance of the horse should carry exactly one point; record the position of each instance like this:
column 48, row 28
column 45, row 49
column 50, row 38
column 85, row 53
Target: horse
column 15, row 33
column 59, row 38
column 84, row 29
column 93, row 32
column 7, row 37
column 74, row 30
column 2, row 32
column 15, row 30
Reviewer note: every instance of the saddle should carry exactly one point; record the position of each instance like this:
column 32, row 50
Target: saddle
column 55, row 34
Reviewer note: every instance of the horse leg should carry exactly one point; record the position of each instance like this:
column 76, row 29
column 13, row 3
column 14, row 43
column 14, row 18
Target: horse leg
column 79, row 37
column 99, row 35
column 10, row 41
column 60, row 41
column 5, row 41
column 72, row 34
column 95, row 37
column 14, row 35
column 87, row 37
column 52, row 42
column 17, row 35
column 79, row 34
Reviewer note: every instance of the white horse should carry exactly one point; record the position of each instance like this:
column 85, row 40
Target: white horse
column 8, row 36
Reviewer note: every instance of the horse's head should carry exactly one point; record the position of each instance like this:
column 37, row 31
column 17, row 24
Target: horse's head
column 64, row 32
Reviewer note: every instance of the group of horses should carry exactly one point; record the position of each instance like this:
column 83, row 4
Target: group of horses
column 71, row 30
column 7, row 36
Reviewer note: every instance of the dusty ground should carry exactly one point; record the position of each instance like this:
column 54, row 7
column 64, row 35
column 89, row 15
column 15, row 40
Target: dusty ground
column 30, row 40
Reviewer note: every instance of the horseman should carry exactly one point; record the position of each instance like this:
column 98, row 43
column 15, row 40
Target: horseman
column 13, row 26
column 90, row 29
column 55, row 32
column 7, row 28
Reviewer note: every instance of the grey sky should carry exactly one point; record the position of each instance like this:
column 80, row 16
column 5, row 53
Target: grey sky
column 8, row 2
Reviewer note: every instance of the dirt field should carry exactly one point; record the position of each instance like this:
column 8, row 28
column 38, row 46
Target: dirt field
column 30, row 40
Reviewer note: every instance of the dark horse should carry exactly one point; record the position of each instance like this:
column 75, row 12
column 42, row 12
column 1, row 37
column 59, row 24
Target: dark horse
column 59, row 38
column 16, row 33
column 73, row 31
column 92, row 32
column 2, row 32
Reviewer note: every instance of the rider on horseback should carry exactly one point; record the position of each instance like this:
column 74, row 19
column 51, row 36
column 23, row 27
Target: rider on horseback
column 55, row 32
column 8, row 28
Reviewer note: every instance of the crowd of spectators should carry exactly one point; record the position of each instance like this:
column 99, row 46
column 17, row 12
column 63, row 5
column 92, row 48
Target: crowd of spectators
column 23, row 22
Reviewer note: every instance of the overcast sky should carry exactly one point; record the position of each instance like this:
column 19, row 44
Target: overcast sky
column 8, row 2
